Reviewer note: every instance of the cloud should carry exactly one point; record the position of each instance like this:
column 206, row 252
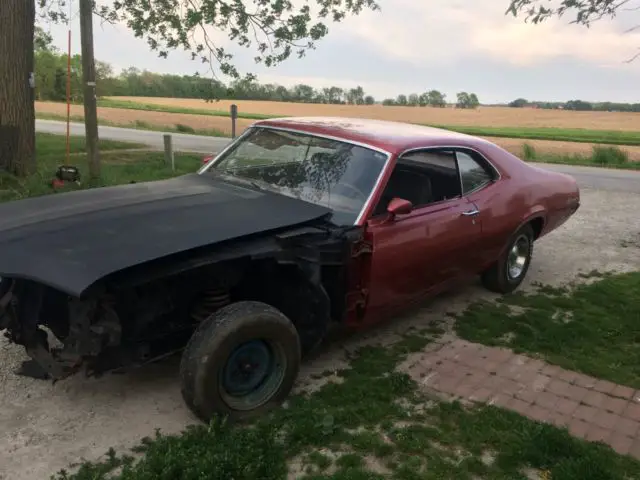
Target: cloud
column 441, row 31
column 412, row 45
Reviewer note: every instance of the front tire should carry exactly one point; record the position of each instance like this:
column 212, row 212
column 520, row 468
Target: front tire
column 241, row 362
column 511, row 268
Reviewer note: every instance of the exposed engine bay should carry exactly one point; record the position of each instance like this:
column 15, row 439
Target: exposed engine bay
column 150, row 312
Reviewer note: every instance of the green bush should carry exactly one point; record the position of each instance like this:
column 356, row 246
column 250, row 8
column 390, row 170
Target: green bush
column 184, row 128
column 609, row 155
column 528, row 152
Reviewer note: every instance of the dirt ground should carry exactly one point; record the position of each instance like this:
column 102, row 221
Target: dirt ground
column 46, row 427
column 203, row 122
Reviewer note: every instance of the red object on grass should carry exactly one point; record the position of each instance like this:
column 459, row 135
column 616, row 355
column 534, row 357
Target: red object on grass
column 57, row 183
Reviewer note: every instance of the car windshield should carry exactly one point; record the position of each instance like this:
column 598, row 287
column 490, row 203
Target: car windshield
column 331, row 173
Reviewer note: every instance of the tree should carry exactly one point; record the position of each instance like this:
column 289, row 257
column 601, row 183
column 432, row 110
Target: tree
column 584, row 12
column 369, row 100
column 413, row 100
column 578, row 105
column 43, row 41
column 333, row 94
column 519, row 103
column 402, row 100
column 17, row 111
column 275, row 30
column 355, row 96
column 467, row 100
column 436, row 99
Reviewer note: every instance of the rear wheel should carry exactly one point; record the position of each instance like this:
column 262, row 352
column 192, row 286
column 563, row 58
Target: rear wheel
column 511, row 268
column 241, row 362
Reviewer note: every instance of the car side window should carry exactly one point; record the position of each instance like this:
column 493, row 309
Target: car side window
column 422, row 177
column 472, row 173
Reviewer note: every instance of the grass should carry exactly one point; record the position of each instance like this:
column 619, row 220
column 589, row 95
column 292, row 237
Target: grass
column 601, row 156
column 594, row 329
column 373, row 424
column 118, row 167
column 55, row 145
column 580, row 135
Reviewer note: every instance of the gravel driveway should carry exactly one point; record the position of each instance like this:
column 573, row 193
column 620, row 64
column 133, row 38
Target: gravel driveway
column 46, row 427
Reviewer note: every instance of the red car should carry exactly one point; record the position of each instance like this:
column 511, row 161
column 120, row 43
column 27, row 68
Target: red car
column 297, row 224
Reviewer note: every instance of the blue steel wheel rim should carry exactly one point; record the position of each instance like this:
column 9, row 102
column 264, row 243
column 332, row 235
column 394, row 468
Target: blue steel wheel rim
column 252, row 374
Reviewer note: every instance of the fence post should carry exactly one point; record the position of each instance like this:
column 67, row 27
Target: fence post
column 234, row 116
column 168, row 151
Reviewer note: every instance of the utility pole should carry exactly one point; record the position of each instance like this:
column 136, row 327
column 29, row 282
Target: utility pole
column 89, row 87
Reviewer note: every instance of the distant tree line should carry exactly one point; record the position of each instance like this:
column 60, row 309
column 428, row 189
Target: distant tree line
column 51, row 84
column 577, row 105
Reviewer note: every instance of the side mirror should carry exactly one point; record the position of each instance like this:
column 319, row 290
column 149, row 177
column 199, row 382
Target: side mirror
column 399, row 206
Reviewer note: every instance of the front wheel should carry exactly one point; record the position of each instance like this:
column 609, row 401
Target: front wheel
column 241, row 362
column 510, row 269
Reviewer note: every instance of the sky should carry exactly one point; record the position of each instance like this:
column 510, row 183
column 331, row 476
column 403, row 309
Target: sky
column 412, row 46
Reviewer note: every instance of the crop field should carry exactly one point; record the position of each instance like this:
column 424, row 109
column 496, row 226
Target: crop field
column 552, row 132
column 483, row 116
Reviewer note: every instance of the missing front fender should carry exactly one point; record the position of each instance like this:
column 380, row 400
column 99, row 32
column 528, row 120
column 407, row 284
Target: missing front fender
column 6, row 288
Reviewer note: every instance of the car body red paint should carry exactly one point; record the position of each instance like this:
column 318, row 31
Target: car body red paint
column 430, row 249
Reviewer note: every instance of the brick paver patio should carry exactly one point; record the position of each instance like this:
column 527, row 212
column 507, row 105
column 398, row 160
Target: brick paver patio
column 591, row 408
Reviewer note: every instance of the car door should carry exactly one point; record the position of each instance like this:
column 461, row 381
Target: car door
column 419, row 253
column 479, row 185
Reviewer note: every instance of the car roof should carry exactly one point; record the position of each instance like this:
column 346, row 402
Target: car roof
column 393, row 137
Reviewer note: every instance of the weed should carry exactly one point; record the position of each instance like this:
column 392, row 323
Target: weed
column 609, row 155
column 528, row 152
column 184, row 128
column 141, row 124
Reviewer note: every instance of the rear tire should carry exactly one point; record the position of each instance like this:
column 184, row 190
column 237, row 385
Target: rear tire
column 511, row 268
column 241, row 362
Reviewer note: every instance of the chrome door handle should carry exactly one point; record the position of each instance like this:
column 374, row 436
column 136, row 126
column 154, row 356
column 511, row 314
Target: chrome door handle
column 470, row 213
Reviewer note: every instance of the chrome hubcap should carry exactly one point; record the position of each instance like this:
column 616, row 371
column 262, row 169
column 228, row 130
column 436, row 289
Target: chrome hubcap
column 518, row 255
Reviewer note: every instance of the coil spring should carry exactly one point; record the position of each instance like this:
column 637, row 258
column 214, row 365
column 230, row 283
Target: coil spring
column 208, row 302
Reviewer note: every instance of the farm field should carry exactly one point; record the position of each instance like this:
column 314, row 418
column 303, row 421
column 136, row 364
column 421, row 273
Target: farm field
column 481, row 117
column 222, row 125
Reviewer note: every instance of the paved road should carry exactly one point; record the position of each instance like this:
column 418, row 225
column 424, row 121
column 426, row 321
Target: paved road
column 587, row 177
column 182, row 142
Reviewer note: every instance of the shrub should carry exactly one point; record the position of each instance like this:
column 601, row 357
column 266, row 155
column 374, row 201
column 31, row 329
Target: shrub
column 142, row 124
column 184, row 128
column 609, row 155
column 528, row 151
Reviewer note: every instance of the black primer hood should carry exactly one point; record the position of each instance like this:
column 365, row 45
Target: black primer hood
column 71, row 240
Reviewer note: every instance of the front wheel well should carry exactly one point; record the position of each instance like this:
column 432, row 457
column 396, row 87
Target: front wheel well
column 537, row 224
column 295, row 292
